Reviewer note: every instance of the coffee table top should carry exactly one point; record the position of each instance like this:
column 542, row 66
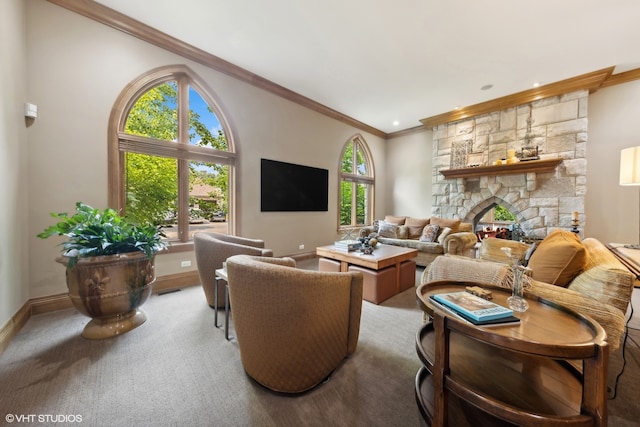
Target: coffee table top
column 383, row 255
column 546, row 328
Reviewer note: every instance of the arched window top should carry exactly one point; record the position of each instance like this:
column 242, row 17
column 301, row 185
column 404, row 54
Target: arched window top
column 356, row 159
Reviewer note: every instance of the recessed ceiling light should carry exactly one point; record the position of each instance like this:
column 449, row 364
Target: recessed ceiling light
column 486, row 87
column 396, row 123
column 536, row 84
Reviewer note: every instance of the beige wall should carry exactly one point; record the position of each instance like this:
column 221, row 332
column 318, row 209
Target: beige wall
column 14, row 274
column 409, row 165
column 613, row 212
column 77, row 68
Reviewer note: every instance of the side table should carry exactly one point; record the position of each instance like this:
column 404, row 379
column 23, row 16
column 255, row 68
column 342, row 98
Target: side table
column 221, row 274
column 549, row 369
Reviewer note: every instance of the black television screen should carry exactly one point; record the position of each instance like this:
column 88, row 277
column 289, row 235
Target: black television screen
column 286, row 187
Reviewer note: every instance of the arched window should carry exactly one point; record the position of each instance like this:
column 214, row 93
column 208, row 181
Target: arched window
column 171, row 155
column 356, row 184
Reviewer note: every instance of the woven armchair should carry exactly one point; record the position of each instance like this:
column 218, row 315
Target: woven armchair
column 294, row 327
column 212, row 249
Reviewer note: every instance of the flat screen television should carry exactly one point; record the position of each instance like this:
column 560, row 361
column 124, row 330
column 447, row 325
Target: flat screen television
column 287, row 187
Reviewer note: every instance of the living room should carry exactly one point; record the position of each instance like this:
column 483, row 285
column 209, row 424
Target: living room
column 73, row 69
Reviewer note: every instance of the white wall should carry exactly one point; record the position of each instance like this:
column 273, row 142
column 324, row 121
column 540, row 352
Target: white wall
column 14, row 275
column 409, row 164
column 77, row 69
column 613, row 212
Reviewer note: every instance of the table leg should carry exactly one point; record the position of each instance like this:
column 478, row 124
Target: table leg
column 215, row 308
column 226, row 311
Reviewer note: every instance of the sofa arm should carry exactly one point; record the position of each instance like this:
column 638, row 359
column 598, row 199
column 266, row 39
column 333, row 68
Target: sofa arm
column 459, row 243
column 366, row 231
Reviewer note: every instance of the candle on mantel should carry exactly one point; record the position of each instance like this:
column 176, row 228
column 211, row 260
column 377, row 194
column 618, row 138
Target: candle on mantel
column 511, row 153
column 575, row 215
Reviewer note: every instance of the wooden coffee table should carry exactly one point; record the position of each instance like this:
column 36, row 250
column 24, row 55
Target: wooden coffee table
column 550, row 369
column 383, row 256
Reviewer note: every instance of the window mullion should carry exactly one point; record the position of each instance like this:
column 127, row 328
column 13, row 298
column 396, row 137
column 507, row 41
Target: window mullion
column 183, row 165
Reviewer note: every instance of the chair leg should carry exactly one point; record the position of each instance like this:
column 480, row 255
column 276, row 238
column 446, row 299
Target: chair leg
column 226, row 313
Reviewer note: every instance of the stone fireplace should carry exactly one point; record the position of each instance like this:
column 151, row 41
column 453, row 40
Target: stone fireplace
column 541, row 201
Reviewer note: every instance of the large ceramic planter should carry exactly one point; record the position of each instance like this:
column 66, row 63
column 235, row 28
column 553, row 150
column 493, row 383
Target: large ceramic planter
column 110, row 289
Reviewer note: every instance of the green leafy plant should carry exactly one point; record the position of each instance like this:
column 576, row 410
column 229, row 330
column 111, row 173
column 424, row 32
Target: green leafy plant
column 91, row 232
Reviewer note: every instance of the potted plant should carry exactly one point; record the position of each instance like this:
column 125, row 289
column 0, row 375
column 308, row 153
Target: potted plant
column 110, row 265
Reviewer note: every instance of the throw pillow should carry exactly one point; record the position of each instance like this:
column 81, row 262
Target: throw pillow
column 397, row 220
column 402, row 232
column 559, row 258
column 388, row 230
column 444, row 232
column 430, row 233
column 453, row 224
column 416, row 225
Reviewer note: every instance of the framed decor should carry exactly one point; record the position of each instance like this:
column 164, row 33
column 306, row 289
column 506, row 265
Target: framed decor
column 529, row 153
column 475, row 159
column 459, row 151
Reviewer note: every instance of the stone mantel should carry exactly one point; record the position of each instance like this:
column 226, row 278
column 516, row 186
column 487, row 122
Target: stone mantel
column 530, row 166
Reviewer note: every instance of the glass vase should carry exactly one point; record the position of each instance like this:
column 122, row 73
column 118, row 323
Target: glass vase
column 516, row 301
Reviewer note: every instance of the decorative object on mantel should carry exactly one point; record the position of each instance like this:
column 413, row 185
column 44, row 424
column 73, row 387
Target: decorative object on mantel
column 630, row 173
column 574, row 222
column 529, row 151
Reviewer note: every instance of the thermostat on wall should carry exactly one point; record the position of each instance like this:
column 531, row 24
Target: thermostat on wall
column 30, row 110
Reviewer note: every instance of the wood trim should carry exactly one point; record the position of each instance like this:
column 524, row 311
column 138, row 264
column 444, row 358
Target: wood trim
column 50, row 303
column 134, row 28
column 174, row 281
column 410, row 131
column 590, row 81
column 13, row 326
column 540, row 166
column 627, row 76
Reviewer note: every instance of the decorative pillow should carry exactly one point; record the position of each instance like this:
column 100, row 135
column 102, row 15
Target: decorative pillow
column 388, row 230
column 430, row 233
column 402, row 232
column 397, row 220
column 442, row 234
column 559, row 258
column 376, row 225
column 453, row 224
column 416, row 225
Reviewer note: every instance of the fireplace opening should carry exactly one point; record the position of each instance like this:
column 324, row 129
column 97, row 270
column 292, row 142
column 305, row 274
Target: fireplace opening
column 496, row 221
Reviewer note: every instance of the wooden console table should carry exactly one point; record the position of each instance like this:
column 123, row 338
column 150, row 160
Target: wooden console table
column 550, row 369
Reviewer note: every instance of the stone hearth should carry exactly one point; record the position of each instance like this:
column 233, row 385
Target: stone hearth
column 540, row 201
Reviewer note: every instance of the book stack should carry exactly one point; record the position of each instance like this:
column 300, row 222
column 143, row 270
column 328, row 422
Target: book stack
column 348, row 245
column 473, row 309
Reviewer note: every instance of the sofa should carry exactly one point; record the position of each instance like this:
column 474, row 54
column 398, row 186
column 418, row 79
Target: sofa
column 431, row 237
column 294, row 327
column 582, row 275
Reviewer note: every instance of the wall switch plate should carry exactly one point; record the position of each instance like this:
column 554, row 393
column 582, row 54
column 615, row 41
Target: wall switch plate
column 301, row 247
column 185, row 264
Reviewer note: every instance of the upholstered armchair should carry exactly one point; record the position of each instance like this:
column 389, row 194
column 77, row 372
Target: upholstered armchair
column 294, row 327
column 212, row 249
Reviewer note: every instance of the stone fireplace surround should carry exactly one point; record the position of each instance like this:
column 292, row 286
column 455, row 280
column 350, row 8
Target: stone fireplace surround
column 540, row 201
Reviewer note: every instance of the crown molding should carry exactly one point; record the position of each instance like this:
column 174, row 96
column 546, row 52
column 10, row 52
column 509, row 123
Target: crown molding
column 118, row 21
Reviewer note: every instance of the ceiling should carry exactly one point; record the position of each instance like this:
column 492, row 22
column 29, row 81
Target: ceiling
column 381, row 62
